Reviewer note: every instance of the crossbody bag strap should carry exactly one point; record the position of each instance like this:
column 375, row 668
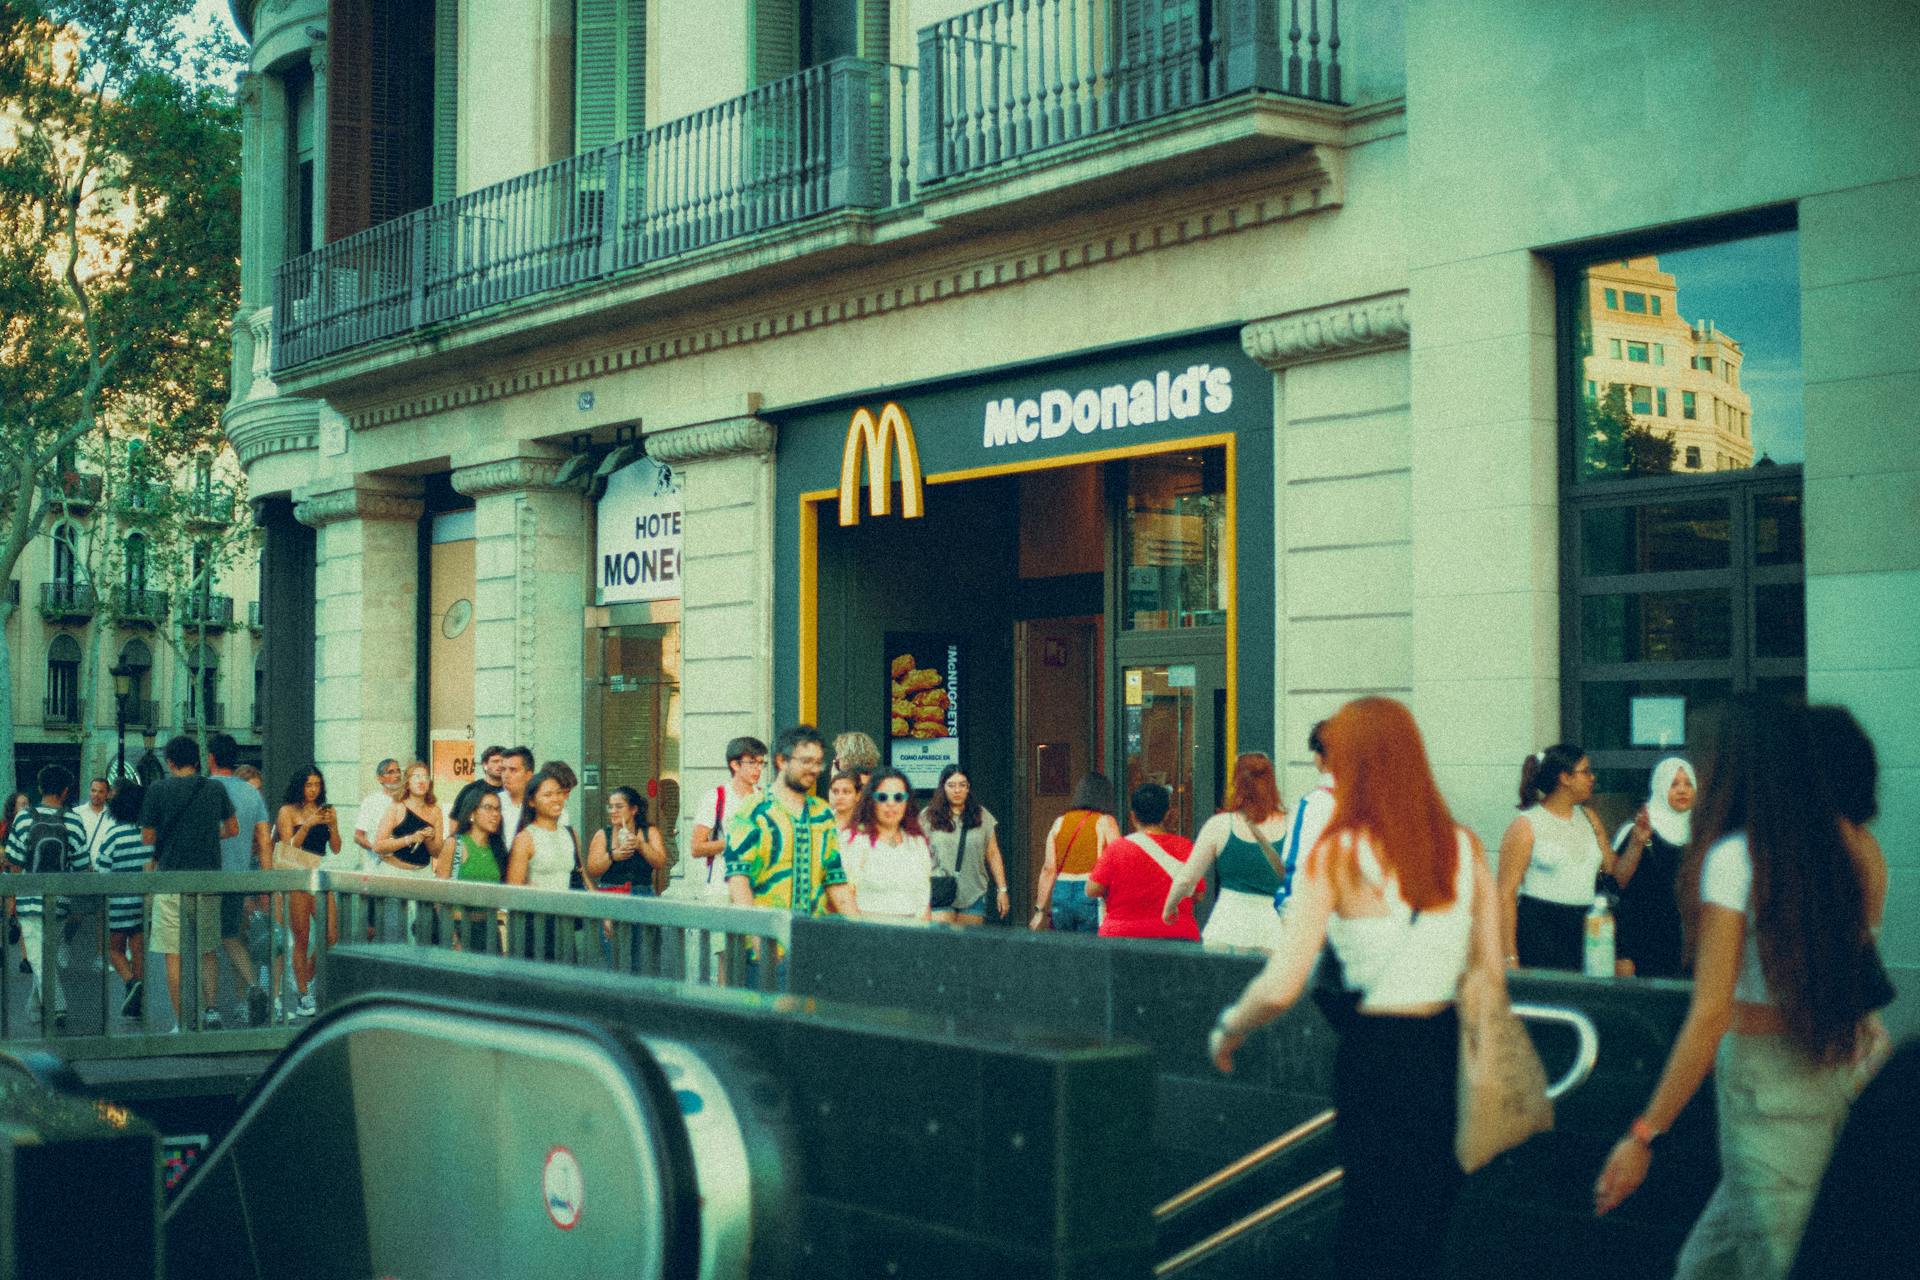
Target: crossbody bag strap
column 1266, row 847
column 1078, row 827
column 580, row 861
column 1162, row 859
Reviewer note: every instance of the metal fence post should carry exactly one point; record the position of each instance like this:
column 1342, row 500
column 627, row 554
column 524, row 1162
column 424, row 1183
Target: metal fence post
column 932, row 91
column 416, row 233
column 1250, row 45
column 850, row 126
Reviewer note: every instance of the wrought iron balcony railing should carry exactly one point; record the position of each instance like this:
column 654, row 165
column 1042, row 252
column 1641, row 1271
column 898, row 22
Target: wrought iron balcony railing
column 831, row 137
column 136, row 604
column 142, row 712
column 209, row 503
column 206, row 715
column 1014, row 77
column 253, row 614
column 65, row 599
column 61, row 709
column 203, row 609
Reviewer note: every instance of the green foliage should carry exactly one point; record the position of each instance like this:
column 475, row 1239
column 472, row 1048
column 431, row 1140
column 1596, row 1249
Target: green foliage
column 1617, row 444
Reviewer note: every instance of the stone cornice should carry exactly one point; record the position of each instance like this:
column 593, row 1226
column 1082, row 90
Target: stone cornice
column 508, row 475
column 1322, row 333
column 358, row 502
column 1317, row 185
column 281, row 424
column 681, row 445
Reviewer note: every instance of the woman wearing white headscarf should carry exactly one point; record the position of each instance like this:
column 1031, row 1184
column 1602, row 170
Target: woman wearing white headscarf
column 1647, row 919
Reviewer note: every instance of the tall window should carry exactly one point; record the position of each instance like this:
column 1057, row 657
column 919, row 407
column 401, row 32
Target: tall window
column 790, row 35
column 63, row 680
column 137, row 658
column 66, row 555
column 203, row 685
column 136, row 566
column 1681, row 540
column 302, row 154
column 609, row 71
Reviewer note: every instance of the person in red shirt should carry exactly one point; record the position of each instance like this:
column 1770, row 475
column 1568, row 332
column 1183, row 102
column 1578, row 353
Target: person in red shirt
column 1133, row 875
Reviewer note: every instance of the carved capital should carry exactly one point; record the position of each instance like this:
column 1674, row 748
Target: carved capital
column 508, row 475
column 247, row 89
column 317, row 59
column 364, row 498
column 680, row 445
column 1345, row 329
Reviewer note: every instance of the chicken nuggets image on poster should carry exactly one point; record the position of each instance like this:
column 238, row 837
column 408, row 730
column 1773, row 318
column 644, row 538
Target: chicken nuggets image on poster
column 921, row 678
column 919, row 703
column 931, row 698
column 902, row 665
column 900, row 727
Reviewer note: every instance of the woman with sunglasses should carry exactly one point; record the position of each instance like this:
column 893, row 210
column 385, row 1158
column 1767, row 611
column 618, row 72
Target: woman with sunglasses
column 1550, row 860
column 886, row 856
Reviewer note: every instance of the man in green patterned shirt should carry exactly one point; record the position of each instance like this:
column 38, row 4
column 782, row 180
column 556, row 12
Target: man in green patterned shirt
column 783, row 852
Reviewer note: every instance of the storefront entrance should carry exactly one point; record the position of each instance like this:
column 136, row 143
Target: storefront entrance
column 1030, row 607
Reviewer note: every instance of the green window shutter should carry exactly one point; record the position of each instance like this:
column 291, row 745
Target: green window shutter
column 609, row 71
column 446, row 99
column 876, row 30
column 776, row 39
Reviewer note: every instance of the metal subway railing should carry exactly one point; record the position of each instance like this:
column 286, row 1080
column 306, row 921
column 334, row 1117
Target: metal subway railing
column 649, row 937
column 1586, row 1054
column 1014, row 77
column 825, row 138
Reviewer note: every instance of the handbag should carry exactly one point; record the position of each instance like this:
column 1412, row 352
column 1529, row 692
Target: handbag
column 1502, row 1094
column 943, row 890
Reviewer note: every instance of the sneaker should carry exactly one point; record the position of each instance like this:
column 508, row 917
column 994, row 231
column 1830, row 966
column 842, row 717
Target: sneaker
column 130, row 1007
column 259, row 1007
column 210, row 1020
column 305, row 1008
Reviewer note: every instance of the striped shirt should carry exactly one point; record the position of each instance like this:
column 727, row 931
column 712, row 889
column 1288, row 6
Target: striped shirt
column 121, row 850
column 790, row 860
column 22, row 832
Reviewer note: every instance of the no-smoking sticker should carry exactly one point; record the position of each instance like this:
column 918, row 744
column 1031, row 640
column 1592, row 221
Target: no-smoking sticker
column 562, row 1189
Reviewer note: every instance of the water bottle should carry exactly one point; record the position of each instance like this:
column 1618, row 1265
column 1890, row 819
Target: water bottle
column 1597, row 959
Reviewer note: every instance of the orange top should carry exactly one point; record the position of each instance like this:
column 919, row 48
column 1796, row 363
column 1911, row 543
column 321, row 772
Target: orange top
column 1076, row 846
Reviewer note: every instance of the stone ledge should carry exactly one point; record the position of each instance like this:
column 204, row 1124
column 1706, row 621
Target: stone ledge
column 678, row 446
column 1354, row 328
column 508, row 475
column 361, row 498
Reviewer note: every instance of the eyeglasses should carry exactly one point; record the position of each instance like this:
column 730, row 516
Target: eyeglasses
column 890, row 797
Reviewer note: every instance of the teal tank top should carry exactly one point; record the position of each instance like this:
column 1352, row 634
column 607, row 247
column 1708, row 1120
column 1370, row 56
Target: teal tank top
column 1243, row 868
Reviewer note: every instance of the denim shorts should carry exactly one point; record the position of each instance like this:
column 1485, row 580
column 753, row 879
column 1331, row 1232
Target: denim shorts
column 977, row 908
column 1073, row 910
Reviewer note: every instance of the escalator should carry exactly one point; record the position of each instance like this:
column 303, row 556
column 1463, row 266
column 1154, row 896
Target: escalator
column 1271, row 1212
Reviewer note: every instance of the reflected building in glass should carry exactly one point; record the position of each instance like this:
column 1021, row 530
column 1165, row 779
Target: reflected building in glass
column 1677, row 381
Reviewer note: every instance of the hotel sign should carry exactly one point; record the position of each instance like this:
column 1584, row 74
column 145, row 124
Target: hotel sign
column 637, row 538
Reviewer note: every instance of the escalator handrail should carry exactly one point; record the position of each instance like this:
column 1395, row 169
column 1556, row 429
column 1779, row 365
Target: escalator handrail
column 1586, row 1052
column 1308, row 1191
column 1255, row 1160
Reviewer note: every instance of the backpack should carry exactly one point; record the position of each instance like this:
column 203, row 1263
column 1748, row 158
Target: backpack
column 48, row 842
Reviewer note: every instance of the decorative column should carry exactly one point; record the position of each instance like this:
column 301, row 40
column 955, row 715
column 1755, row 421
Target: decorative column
column 1342, row 554
column 366, row 618
column 726, row 630
column 317, row 58
column 530, row 595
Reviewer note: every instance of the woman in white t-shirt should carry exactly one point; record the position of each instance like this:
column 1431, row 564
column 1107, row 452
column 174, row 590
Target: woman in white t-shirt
column 1781, row 913
column 1551, row 860
column 885, row 854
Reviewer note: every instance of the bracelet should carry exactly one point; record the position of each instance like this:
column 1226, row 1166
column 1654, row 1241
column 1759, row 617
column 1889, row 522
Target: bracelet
column 1001, row 889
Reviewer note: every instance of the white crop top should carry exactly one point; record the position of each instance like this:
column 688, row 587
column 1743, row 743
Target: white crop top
column 1726, row 880
column 1399, row 959
column 1566, row 857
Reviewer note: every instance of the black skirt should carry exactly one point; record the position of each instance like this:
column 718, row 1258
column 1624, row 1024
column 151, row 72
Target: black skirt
column 1394, row 1085
column 1550, row 935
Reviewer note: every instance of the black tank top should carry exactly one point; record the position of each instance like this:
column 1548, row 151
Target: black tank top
column 318, row 838
column 414, row 855
column 636, row 873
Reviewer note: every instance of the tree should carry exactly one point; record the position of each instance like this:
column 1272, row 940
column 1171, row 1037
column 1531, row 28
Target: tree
column 1617, row 443
column 119, row 245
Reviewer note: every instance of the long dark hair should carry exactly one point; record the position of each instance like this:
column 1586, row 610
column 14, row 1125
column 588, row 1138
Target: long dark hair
column 1808, row 906
column 555, row 771
column 866, row 817
column 465, row 805
column 939, row 814
column 637, row 803
column 1093, row 792
column 1540, row 775
column 297, row 787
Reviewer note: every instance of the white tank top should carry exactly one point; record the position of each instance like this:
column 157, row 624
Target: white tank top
column 1398, row 960
column 1566, row 858
column 551, row 866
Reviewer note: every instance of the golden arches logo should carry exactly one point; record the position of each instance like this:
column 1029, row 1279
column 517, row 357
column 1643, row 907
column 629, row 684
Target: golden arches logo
column 877, row 441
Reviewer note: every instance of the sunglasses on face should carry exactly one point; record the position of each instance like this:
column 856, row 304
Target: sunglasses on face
column 890, row 797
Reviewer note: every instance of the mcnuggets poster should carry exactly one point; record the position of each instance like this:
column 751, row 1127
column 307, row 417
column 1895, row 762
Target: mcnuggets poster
column 923, row 699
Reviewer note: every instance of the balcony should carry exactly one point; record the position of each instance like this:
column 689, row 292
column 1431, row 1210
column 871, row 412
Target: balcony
column 208, row 504
column 206, row 715
column 73, row 490
column 204, row 609
column 139, row 497
column 143, row 713
column 67, row 601
column 832, row 137
column 62, row 711
column 253, row 615
column 139, row 607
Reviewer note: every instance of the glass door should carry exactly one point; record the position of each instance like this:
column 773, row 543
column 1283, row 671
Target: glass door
column 1173, row 732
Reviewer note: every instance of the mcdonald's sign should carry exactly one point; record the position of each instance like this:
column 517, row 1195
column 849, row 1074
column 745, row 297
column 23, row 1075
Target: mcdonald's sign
column 878, row 442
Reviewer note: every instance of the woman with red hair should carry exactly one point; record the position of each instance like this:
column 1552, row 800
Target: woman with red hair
column 1245, row 840
column 1404, row 896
